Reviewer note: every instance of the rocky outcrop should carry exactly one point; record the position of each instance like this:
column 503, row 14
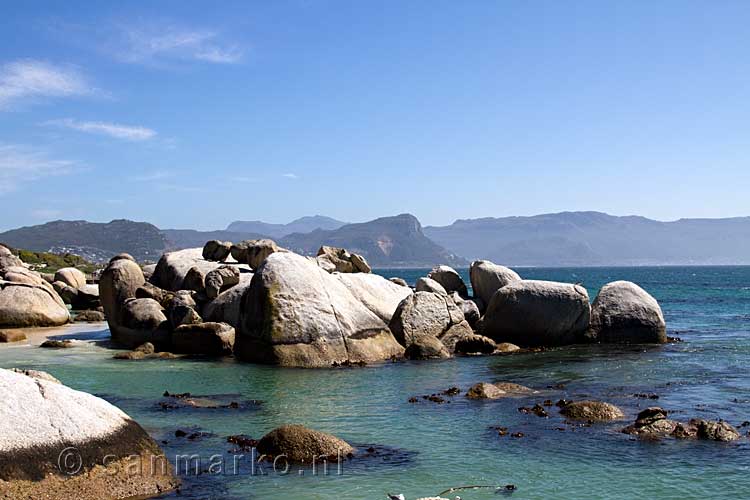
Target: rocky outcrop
column 591, row 410
column 399, row 281
column 302, row 445
column 653, row 423
column 12, row 336
column 210, row 339
column 41, row 418
column 217, row 250
column 71, row 276
column 450, row 280
column 533, row 313
column 27, row 300
column 194, row 280
column 429, row 285
column 426, row 314
column 296, row 314
column 487, row 278
column 623, row 312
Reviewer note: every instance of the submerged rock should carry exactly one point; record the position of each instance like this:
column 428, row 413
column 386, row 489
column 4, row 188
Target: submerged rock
column 534, row 313
column 623, row 312
column 302, row 445
column 591, row 410
column 90, row 428
column 485, row 390
column 487, row 278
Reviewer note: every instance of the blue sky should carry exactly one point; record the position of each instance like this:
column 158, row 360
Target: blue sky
column 192, row 115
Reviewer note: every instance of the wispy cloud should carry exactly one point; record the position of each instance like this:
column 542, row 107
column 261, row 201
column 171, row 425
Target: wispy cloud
column 155, row 175
column 154, row 43
column 291, row 176
column 22, row 164
column 116, row 130
column 28, row 79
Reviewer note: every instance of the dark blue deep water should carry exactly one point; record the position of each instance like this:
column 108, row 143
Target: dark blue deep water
column 424, row 448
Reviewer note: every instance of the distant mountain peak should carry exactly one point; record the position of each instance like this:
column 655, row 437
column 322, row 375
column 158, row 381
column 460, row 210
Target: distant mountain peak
column 304, row 224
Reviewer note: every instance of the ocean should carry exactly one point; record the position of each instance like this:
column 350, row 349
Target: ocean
column 423, row 448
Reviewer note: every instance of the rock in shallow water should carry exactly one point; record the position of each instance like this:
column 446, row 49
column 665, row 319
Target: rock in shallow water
column 591, row 410
column 302, row 445
column 487, row 278
column 623, row 312
column 533, row 313
column 89, row 428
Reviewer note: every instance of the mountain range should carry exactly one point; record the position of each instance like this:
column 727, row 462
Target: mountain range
column 560, row 239
column 597, row 239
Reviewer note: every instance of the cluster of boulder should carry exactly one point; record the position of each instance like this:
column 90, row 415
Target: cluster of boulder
column 26, row 298
column 266, row 304
column 32, row 299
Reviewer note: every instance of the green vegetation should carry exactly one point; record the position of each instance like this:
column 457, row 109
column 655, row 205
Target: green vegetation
column 49, row 262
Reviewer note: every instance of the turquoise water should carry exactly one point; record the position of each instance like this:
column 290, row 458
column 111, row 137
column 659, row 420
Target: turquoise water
column 424, row 448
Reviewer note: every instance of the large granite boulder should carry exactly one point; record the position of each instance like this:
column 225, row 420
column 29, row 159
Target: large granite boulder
column 533, row 313
column 221, row 279
column 7, row 259
column 173, row 267
column 623, row 312
column 487, row 278
column 119, row 282
column 376, row 293
column 226, row 307
column 468, row 307
column 334, row 259
column 427, row 314
column 27, row 300
column 296, row 314
column 302, row 445
column 142, row 320
column 71, row 276
column 449, row 279
column 210, row 339
column 254, row 252
column 46, row 426
column 217, row 250
column 429, row 285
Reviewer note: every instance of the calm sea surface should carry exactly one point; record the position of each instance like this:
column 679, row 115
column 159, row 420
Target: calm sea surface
column 424, row 448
